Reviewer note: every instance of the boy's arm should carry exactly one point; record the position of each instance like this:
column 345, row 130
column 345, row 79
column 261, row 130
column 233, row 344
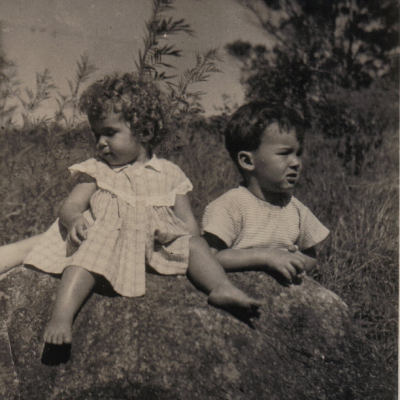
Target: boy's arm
column 287, row 263
column 72, row 209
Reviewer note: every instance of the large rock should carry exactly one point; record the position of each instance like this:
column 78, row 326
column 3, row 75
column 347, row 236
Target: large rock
column 170, row 344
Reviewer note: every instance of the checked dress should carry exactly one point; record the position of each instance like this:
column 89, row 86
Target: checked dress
column 132, row 226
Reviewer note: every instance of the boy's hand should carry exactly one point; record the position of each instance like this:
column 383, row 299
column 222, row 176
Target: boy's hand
column 290, row 264
column 294, row 249
column 77, row 230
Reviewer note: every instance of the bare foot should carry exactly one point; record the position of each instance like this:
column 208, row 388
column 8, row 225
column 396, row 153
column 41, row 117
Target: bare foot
column 58, row 331
column 228, row 296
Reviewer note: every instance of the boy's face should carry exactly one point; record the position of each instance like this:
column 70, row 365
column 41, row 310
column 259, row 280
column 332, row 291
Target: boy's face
column 116, row 143
column 277, row 161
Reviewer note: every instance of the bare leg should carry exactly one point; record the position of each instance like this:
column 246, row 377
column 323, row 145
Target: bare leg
column 14, row 254
column 209, row 275
column 76, row 284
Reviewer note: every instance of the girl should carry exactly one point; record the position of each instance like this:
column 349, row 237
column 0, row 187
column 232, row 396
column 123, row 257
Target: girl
column 128, row 210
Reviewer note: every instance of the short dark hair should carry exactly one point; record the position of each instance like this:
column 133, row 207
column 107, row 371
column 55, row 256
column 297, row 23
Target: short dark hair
column 138, row 101
column 247, row 125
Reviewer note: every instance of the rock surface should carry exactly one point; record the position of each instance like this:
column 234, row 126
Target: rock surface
column 170, row 344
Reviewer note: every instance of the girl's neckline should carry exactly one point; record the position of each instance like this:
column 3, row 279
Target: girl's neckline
column 152, row 161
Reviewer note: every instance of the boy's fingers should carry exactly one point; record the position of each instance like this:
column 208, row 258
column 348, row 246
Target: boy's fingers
column 299, row 265
column 298, row 261
column 291, row 269
column 286, row 274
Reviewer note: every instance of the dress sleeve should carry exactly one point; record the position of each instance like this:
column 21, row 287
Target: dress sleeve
column 88, row 168
column 220, row 219
column 169, row 183
column 81, row 177
column 312, row 231
column 180, row 182
column 184, row 187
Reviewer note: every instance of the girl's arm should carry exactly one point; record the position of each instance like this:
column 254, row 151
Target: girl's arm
column 183, row 211
column 203, row 269
column 72, row 209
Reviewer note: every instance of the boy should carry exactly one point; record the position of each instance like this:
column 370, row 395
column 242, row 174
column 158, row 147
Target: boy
column 260, row 224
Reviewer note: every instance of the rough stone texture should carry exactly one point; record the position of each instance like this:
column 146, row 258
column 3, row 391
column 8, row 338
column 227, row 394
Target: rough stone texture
column 171, row 345
column 8, row 376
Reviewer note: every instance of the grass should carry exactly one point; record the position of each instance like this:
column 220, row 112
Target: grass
column 359, row 260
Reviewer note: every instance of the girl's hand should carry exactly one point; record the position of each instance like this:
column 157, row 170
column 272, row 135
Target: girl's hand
column 71, row 211
column 77, row 230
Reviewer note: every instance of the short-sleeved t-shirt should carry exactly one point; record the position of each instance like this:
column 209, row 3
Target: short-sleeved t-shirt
column 243, row 221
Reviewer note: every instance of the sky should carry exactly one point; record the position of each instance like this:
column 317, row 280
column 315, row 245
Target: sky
column 39, row 34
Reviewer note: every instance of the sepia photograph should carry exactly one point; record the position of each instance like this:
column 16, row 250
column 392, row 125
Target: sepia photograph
column 199, row 199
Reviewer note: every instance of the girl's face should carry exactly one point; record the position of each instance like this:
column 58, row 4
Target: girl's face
column 277, row 161
column 116, row 143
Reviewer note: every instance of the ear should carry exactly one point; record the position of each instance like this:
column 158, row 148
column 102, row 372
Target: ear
column 147, row 134
column 246, row 160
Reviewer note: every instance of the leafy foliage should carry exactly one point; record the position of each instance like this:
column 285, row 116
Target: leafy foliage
column 181, row 101
column 329, row 59
column 70, row 101
column 9, row 89
column 347, row 43
column 152, row 65
column 34, row 99
column 357, row 121
column 159, row 28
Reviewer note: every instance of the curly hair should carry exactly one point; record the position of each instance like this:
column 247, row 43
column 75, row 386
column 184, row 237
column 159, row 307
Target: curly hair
column 138, row 101
column 247, row 125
